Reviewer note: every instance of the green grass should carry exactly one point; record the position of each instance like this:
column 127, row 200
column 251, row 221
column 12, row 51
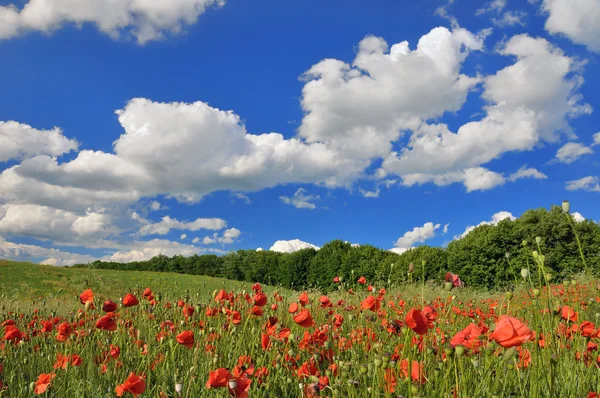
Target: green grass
column 27, row 281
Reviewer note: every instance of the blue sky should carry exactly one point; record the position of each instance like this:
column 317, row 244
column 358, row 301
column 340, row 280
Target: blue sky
column 203, row 126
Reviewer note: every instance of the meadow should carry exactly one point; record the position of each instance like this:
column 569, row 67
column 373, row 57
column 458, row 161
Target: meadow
column 92, row 333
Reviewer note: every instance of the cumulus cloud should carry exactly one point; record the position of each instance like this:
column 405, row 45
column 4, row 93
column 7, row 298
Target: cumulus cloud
column 19, row 141
column 155, row 205
column 300, row 200
column 167, row 224
column 290, row 246
column 589, row 183
column 145, row 20
column 369, row 194
column 228, row 237
column 183, row 237
column 361, row 108
column 596, row 139
column 496, row 218
column 145, row 250
column 578, row 217
column 572, row 151
column 576, row 19
column 25, row 252
column 527, row 172
column 528, row 102
column 417, row 235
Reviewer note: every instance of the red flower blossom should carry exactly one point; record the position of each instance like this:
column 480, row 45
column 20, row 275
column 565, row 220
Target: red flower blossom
column 260, row 299
column 134, row 384
column 87, row 297
column 109, row 306
column 218, row 378
column 186, row 338
column 569, row 314
column 43, row 382
column 362, row 280
column 416, row 321
column 511, row 332
column 130, row 300
column 304, row 319
column 106, row 323
column 371, row 303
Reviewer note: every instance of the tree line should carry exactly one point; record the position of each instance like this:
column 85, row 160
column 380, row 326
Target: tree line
column 490, row 256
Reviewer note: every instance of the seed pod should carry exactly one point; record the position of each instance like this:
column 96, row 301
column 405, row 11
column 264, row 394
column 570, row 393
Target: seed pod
column 566, row 206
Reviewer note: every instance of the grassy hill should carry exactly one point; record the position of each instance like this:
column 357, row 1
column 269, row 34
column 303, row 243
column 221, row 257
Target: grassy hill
column 33, row 282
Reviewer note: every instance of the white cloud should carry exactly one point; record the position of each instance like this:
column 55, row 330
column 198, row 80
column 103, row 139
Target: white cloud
column 183, row 237
column 578, row 217
column 361, row 108
column 259, row 249
column 207, row 240
column 230, row 236
column 23, row 252
column 446, row 228
column 167, row 224
column 300, row 200
column 589, row 183
column 290, row 246
column 492, row 6
column 196, row 240
column 144, row 19
column 527, row 172
column 19, row 141
column 576, row 19
column 510, row 18
column 242, row 197
column 399, row 250
column 145, row 250
column 572, row 151
column 496, row 218
column 417, row 235
column 154, row 205
column 369, row 194
column 529, row 101
column 596, row 139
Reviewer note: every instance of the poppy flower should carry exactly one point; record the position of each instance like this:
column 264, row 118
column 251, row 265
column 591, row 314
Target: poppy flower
column 12, row 333
column 256, row 310
column 293, row 308
column 511, row 332
column 303, row 299
column 362, row 280
column 304, row 319
column 147, row 293
column 260, row 299
column 130, row 300
column 588, row 329
column 64, row 331
column 241, row 386
column 221, row 296
column 43, row 382
column 186, row 338
column 325, row 302
column 416, row 370
column 62, row 361
column 416, row 321
column 467, row 337
column 336, row 279
column 106, row 323
column 109, row 306
column 456, row 282
column 87, row 297
column 134, row 384
column 218, row 378
column 370, row 303
column 569, row 314
column 256, row 287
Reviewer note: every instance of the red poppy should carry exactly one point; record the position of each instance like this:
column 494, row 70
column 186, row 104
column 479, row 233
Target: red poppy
column 12, row 333
column 134, row 384
column 241, row 387
column 362, row 280
column 62, row 361
column 293, row 308
column 218, row 378
column 569, row 314
column 467, row 337
column 147, row 293
column 325, row 302
column 256, row 287
column 304, row 319
column 511, row 332
column 109, row 306
column 303, row 299
column 221, row 296
column 186, row 338
column 416, row 321
column 43, row 382
column 87, row 297
column 106, row 323
column 371, row 303
column 336, row 279
column 450, row 277
column 260, row 299
column 130, row 300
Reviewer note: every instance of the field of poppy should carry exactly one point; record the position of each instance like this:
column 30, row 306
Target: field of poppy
column 361, row 341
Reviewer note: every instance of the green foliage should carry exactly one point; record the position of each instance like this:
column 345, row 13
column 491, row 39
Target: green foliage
column 490, row 256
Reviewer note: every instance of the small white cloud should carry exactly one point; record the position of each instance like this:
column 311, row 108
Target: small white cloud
column 446, row 228
column 572, row 151
column 578, row 217
column 589, row 183
column 20, row 141
column 369, row 194
column 399, row 250
column 290, row 246
column 527, row 172
column 208, row 240
column 417, row 235
column 259, row 249
column 300, row 200
column 196, row 240
column 155, row 205
column 183, row 236
column 596, row 139
column 496, row 218
column 492, row 6
column 167, row 224
column 241, row 196
column 510, row 18
column 229, row 236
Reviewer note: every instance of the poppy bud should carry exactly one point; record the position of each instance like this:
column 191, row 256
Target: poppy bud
column 548, row 277
column 377, row 361
column 524, row 273
column 363, row 370
column 566, row 283
column 232, row 383
column 460, row 350
column 449, row 351
column 535, row 254
column 178, row 388
column 573, row 282
column 509, row 295
column 566, row 206
column 509, row 353
column 538, row 240
column 32, row 386
column 475, row 363
column 536, row 292
column 448, row 286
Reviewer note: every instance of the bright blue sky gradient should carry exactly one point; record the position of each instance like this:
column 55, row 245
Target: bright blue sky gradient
column 248, row 57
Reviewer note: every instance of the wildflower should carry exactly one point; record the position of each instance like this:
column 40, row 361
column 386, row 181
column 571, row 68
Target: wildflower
column 134, row 384
column 43, row 382
column 416, row 321
column 511, row 332
column 109, row 306
column 130, row 300
column 362, row 280
column 106, row 323
column 87, row 297
column 186, row 338
column 304, row 319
